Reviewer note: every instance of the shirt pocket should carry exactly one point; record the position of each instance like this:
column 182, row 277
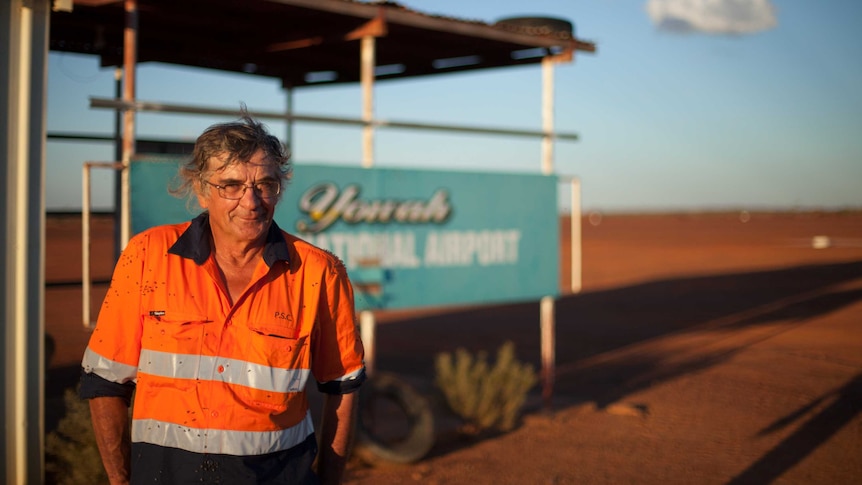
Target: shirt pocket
column 276, row 366
column 275, row 344
column 174, row 332
column 170, row 352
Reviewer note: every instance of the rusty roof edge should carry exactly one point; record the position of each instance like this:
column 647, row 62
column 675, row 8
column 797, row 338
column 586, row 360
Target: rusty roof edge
column 398, row 14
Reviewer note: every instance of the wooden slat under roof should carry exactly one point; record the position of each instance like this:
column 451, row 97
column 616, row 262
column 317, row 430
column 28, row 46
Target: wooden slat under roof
column 301, row 42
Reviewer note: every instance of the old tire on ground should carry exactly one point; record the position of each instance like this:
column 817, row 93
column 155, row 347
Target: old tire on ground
column 537, row 25
column 374, row 448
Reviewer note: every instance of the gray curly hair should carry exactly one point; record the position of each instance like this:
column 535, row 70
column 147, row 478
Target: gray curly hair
column 231, row 142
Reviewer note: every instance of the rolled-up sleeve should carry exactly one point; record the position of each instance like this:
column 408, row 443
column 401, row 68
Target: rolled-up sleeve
column 338, row 354
column 110, row 361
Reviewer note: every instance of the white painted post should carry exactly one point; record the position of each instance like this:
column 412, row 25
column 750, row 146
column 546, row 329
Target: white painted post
column 24, row 27
column 85, row 246
column 547, row 324
column 86, row 196
column 367, row 56
column 367, row 330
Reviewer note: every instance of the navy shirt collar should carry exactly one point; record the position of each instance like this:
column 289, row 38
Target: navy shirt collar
column 195, row 242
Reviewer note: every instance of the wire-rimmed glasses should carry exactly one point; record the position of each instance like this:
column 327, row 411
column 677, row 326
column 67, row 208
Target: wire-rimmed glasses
column 235, row 191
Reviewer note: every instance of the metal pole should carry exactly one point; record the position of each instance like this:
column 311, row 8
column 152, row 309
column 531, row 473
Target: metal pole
column 86, row 280
column 24, row 28
column 96, row 102
column 289, row 135
column 367, row 80
column 575, row 233
column 118, row 175
column 548, row 115
column 367, row 330
column 85, row 245
column 130, row 51
column 547, row 324
column 34, row 399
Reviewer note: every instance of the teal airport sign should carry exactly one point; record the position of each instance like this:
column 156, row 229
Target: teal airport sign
column 409, row 238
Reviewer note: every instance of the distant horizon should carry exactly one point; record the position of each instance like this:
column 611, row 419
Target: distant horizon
column 586, row 212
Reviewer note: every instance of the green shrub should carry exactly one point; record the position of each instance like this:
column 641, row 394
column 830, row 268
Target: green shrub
column 72, row 455
column 485, row 397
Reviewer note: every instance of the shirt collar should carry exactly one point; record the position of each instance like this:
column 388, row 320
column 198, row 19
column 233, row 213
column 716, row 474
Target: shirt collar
column 195, row 242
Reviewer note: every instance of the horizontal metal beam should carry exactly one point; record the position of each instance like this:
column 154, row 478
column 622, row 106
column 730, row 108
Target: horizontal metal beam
column 69, row 136
column 119, row 104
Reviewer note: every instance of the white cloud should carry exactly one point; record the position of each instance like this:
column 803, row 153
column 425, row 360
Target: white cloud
column 712, row 16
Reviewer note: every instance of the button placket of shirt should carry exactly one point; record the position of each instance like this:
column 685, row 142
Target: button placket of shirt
column 221, row 363
column 218, row 366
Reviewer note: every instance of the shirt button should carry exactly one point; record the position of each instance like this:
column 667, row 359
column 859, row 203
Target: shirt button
column 215, row 414
column 220, row 369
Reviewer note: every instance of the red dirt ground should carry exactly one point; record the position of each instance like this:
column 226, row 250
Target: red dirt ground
column 702, row 349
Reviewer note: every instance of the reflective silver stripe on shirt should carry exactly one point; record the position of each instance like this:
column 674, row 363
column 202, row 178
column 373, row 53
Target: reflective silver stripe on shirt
column 107, row 368
column 229, row 442
column 232, row 371
column 351, row 376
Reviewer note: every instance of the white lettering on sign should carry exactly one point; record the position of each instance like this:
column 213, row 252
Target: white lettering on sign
column 442, row 248
column 465, row 248
column 324, row 206
column 388, row 250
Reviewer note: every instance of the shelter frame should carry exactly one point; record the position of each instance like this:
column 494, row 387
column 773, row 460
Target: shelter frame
column 25, row 27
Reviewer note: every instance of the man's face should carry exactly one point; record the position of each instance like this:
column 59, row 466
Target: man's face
column 247, row 219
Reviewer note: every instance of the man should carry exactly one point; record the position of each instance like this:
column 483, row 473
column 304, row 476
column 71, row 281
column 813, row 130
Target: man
column 216, row 324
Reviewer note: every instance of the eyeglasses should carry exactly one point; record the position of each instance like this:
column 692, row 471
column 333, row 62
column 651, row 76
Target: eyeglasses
column 235, row 191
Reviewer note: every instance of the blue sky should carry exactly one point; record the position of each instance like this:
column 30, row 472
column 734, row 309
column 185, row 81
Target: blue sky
column 687, row 105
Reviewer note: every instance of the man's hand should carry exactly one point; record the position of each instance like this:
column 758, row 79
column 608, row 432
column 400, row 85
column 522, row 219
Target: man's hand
column 110, row 417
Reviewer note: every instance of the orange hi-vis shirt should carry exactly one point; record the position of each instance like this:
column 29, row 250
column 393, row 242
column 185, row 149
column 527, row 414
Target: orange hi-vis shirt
column 212, row 377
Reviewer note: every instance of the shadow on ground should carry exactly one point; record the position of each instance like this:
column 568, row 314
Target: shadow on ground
column 844, row 405
column 592, row 325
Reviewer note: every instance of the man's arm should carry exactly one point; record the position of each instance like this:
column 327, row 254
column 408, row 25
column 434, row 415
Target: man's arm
column 336, row 434
column 110, row 416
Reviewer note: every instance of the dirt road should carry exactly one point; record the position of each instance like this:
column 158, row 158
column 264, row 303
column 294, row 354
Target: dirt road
column 702, row 349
